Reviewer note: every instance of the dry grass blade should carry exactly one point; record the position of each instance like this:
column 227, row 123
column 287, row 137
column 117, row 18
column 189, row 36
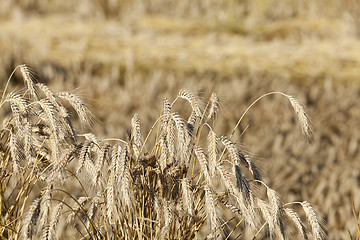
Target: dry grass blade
column 356, row 219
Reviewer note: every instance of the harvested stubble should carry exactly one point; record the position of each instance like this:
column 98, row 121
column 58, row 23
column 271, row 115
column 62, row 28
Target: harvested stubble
column 127, row 190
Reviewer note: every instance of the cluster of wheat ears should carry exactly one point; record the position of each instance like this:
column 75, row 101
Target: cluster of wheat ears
column 56, row 183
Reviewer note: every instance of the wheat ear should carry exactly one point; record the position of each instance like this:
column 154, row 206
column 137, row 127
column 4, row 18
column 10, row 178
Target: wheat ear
column 275, row 209
column 203, row 163
column 212, row 152
column 31, row 218
column 298, row 107
column 19, row 109
column 313, row 221
column 192, row 100
column 302, row 116
column 46, row 207
column 214, row 104
column 78, row 205
column 187, row 196
column 79, row 106
column 266, row 212
column 28, row 80
column 50, row 230
column 15, row 151
column 136, row 135
column 164, row 155
column 100, row 160
column 211, row 210
column 294, row 217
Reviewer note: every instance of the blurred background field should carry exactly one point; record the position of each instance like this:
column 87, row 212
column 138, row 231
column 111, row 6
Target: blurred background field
column 124, row 57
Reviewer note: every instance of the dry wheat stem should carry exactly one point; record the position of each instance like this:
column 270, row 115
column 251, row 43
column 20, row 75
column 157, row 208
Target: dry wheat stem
column 7, row 84
column 305, row 125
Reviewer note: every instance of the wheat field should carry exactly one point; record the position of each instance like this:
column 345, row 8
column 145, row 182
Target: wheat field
column 121, row 60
